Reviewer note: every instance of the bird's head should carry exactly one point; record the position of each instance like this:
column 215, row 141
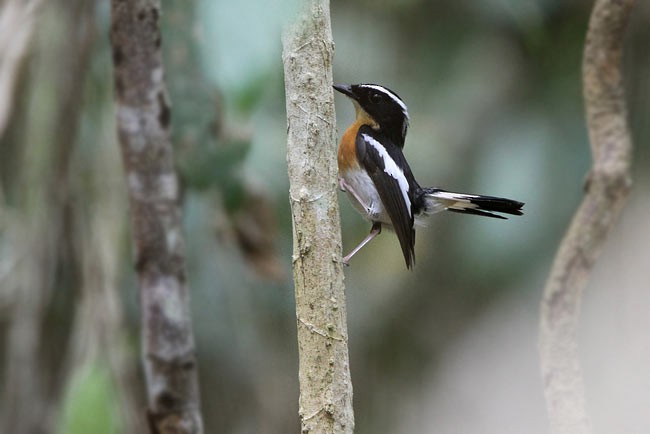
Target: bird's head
column 384, row 109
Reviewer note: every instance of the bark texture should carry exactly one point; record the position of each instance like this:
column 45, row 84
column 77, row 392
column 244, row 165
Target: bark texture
column 607, row 188
column 143, row 119
column 325, row 386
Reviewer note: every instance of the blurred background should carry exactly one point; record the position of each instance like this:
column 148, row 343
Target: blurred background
column 494, row 92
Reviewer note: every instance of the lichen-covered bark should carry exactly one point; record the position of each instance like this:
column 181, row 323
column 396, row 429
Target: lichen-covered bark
column 607, row 188
column 143, row 118
column 324, row 374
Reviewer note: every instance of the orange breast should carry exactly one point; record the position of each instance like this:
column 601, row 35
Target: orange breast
column 347, row 156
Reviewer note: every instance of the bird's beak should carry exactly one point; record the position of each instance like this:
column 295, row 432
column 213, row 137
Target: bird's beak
column 345, row 89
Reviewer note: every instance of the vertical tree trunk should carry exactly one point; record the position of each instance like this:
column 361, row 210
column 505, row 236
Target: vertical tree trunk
column 143, row 119
column 17, row 18
column 607, row 188
column 42, row 247
column 325, row 386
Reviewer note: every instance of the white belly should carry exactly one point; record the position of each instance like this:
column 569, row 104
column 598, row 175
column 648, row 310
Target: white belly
column 364, row 196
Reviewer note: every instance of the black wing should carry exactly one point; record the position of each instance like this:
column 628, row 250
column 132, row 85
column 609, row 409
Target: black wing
column 394, row 181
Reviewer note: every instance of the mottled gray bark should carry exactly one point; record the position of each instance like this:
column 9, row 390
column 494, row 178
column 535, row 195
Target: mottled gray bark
column 607, row 188
column 143, row 119
column 324, row 374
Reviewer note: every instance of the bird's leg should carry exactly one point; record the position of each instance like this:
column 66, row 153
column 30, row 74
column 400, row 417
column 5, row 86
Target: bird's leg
column 346, row 188
column 342, row 184
column 374, row 231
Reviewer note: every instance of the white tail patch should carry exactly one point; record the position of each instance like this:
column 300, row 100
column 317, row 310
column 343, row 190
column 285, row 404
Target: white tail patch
column 487, row 206
column 442, row 200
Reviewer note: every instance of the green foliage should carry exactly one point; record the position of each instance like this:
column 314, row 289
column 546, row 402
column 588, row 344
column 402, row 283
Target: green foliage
column 90, row 404
column 207, row 167
column 248, row 97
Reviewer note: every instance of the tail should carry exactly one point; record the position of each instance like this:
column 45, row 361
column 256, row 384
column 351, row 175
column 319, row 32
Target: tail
column 436, row 200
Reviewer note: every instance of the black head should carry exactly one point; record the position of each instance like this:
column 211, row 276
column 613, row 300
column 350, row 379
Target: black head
column 383, row 105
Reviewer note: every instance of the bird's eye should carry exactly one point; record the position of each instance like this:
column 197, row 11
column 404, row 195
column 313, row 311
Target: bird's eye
column 375, row 98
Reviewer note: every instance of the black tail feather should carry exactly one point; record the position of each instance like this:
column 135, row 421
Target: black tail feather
column 438, row 199
column 477, row 212
column 497, row 204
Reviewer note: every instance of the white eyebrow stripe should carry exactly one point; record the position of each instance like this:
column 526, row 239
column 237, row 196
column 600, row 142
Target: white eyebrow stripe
column 391, row 168
column 391, row 95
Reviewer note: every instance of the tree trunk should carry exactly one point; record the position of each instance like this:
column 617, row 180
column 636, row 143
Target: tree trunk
column 324, row 374
column 143, row 119
column 42, row 246
column 607, row 188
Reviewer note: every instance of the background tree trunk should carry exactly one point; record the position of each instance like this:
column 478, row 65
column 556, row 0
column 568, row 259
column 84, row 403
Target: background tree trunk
column 325, row 386
column 143, row 119
column 17, row 19
column 37, row 157
column 607, row 188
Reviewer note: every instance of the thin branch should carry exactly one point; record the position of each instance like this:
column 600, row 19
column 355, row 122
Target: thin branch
column 143, row 119
column 606, row 192
column 325, row 386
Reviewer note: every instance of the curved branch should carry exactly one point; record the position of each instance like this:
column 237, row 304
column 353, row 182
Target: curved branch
column 607, row 189
column 325, row 386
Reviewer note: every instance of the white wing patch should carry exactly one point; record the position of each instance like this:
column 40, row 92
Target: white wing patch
column 391, row 95
column 391, row 168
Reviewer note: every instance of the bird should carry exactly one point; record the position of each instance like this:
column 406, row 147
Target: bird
column 375, row 175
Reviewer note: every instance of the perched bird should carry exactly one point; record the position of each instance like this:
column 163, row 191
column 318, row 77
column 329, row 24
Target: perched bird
column 378, row 180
